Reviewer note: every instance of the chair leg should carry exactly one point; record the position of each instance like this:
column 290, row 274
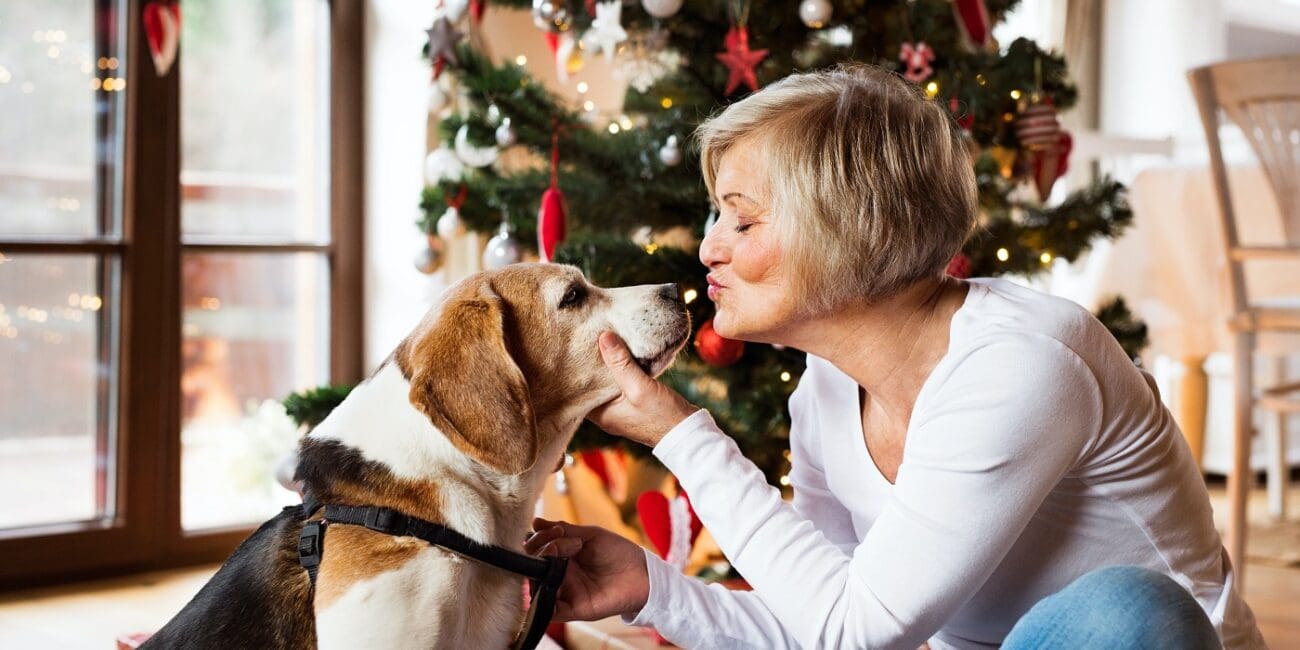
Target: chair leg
column 1240, row 478
column 1278, row 472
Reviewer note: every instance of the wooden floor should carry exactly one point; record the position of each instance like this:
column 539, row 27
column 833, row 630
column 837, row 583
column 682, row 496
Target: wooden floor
column 91, row 615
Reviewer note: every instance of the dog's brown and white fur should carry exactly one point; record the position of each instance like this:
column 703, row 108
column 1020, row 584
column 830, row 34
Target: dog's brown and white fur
column 461, row 426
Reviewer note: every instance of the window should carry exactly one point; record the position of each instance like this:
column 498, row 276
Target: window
column 177, row 253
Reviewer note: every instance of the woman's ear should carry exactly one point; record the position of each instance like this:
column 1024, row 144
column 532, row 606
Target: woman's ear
column 465, row 381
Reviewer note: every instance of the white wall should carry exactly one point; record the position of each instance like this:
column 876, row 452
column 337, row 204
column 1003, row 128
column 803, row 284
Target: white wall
column 396, row 296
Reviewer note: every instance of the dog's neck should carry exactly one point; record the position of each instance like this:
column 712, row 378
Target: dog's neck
column 405, row 460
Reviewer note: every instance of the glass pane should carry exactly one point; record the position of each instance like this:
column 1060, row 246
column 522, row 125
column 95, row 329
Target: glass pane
column 254, row 119
column 55, row 433
column 61, row 83
column 254, row 328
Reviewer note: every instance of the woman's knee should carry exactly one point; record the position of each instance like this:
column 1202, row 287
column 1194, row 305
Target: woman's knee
column 1121, row 606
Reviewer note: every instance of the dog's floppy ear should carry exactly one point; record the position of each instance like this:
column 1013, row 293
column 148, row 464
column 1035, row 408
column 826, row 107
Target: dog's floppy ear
column 465, row 381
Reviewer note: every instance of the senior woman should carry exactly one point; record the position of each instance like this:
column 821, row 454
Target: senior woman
column 973, row 463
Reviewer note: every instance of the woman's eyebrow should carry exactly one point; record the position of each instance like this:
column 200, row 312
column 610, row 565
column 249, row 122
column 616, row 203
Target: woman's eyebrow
column 737, row 194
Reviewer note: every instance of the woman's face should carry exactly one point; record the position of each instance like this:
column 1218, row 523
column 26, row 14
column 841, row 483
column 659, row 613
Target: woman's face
column 747, row 280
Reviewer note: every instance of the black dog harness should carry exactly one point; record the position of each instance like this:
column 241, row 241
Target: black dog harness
column 544, row 574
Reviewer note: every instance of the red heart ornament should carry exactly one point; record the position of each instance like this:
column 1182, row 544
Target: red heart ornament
column 652, row 506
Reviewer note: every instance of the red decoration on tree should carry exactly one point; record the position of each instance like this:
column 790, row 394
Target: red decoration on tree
column 974, row 21
column 551, row 216
column 740, row 60
column 476, row 9
column 959, row 266
column 1050, row 164
column 162, row 27
column 917, row 58
column 715, row 349
column 1046, row 143
column 964, row 119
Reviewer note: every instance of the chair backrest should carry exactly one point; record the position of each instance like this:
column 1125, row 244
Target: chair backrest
column 1263, row 98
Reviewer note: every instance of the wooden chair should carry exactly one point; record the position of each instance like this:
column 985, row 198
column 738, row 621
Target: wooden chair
column 1263, row 98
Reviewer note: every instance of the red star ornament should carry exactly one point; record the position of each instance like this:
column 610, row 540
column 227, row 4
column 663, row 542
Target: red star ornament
column 740, row 60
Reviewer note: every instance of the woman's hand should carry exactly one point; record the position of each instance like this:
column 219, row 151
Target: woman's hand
column 646, row 409
column 606, row 574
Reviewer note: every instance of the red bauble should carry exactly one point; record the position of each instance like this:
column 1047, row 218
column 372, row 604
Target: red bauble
column 550, row 223
column 959, row 266
column 715, row 349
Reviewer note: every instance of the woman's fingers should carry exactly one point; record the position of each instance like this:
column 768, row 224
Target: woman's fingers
column 541, row 538
column 630, row 377
column 562, row 547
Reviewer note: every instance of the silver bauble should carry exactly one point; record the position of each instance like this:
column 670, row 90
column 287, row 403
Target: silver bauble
column 661, row 8
column 502, row 250
column 506, row 136
column 815, row 13
column 428, row 261
column 550, row 15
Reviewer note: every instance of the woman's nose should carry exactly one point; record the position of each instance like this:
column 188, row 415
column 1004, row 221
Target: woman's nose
column 713, row 249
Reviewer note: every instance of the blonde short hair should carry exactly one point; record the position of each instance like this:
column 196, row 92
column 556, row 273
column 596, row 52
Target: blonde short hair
column 872, row 187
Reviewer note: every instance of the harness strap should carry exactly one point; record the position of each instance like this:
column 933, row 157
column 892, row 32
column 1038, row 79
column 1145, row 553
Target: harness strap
column 545, row 574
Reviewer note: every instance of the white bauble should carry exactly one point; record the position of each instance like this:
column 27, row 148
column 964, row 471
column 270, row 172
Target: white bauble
column 815, row 13
column 470, row 154
column 438, row 98
column 502, row 250
column 450, row 225
column 661, row 8
column 671, row 153
column 443, row 165
column 506, row 136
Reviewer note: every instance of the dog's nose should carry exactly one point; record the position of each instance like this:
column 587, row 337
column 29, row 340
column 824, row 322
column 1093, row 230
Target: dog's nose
column 670, row 292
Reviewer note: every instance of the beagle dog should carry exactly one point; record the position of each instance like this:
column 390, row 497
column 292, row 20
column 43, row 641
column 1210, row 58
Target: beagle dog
column 461, row 426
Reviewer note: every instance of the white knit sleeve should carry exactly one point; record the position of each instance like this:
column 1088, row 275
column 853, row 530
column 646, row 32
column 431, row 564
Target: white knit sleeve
column 998, row 426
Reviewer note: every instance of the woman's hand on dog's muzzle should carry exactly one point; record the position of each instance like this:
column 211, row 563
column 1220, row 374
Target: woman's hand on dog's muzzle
column 645, row 410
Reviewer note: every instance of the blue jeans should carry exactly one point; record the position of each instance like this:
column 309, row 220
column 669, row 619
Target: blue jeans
column 1116, row 608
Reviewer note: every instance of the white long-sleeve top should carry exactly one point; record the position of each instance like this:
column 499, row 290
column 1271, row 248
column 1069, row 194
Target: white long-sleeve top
column 1036, row 453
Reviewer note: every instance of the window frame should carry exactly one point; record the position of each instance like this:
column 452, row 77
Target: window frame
column 146, row 532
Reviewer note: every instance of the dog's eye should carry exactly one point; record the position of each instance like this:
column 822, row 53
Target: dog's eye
column 573, row 297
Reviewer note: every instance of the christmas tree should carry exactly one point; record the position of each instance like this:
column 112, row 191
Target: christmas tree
column 623, row 199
